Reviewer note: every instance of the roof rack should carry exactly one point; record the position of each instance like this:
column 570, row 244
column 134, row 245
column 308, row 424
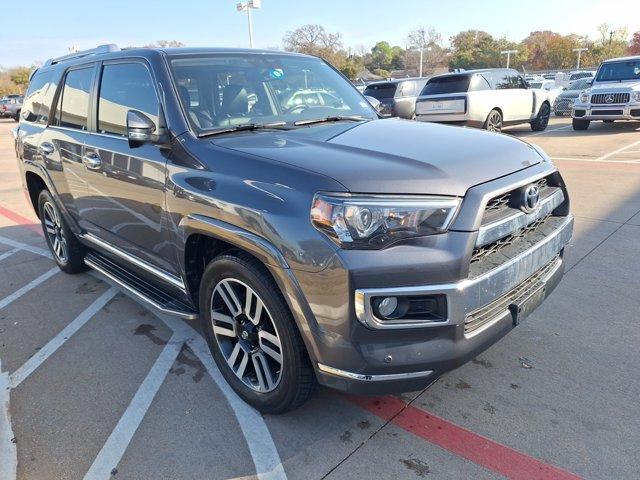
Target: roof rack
column 84, row 53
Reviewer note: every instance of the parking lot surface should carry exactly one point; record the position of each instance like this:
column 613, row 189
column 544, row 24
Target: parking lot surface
column 94, row 385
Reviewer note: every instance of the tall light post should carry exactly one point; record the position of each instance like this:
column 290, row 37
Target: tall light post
column 579, row 50
column 421, row 50
column 508, row 53
column 248, row 6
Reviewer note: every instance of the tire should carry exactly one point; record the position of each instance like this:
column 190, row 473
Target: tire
column 269, row 385
column 542, row 120
column 580, row 124
column 16, row 117
column 493, row 123
column 67, row 251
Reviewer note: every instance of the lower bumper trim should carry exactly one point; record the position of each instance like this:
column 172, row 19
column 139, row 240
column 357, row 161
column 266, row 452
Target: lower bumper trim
column 373, row 378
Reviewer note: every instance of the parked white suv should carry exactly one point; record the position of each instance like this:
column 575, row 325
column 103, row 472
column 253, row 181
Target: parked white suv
column 489, row 99
column 614, row 94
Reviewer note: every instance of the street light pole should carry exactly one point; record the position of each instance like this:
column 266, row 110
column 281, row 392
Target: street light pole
column 579, row 50
column 248, row 6
column 508, row 54
column 421, row 50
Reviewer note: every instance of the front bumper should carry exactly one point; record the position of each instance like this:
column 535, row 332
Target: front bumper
column 422, row 356
column 606, row 112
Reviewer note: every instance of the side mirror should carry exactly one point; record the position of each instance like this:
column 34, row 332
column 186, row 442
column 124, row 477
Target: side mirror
column 140, row 128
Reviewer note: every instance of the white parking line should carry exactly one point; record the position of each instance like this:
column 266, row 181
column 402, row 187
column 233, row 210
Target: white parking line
column 117, row 443
column 26, row 247
column 8, row 452
column 592, row 160
column 619, row 150
column 548, row 130
column 29, row 286
column 9, row 253
column 56, row 342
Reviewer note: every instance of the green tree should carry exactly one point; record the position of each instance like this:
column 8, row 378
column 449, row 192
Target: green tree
column 20, row 77
column 386, row 57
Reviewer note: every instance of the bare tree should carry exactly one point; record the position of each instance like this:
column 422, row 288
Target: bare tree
column 315, row 40
column 429, row 40
column 165, row 44
column 424, row 36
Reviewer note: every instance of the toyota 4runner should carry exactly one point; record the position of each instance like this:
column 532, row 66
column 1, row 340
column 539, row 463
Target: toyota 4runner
column 314, row 242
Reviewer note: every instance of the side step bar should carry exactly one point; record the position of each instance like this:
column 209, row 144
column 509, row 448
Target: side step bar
column 139, row 287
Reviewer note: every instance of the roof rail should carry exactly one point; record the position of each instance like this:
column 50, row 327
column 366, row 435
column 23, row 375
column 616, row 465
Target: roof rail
column 84, row 53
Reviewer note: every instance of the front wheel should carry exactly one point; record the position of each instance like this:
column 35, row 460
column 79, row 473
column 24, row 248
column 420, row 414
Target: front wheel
column 579, row 124
column 493, row 123
column 252, row 335
column 67, row 251
column 542, row 120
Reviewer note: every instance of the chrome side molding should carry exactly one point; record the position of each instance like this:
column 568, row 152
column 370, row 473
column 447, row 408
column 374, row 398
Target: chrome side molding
column 166, row 277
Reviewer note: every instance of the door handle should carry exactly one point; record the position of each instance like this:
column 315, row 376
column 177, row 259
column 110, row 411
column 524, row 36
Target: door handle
column 92, row 161
column 46, row 148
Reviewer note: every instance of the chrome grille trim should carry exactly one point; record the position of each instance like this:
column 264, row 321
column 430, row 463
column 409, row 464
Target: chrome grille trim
column 501, row 228
column 601, row 98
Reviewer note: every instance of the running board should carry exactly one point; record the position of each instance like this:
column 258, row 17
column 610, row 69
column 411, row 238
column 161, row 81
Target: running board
column 139, row 287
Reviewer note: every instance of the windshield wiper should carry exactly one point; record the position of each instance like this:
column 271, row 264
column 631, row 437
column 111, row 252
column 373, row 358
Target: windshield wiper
column 335, row 118
column 244, row 127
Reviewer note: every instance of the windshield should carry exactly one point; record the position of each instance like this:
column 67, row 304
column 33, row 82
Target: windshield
column 381, row 91
column 222, row 91
column 447, row 84
column 618, row 71
column 579, row 84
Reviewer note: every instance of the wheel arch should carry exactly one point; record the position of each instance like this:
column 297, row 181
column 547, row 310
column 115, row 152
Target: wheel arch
column 35, row 184
column 206, row 238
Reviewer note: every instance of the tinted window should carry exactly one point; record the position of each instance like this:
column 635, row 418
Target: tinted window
column 37, row 103
column 447, row 84
column 75, row 99
column 124, row 87
column 381, row 91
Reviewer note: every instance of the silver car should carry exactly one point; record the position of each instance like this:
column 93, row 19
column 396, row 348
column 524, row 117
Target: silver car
column 489, row 99
column 397, row 97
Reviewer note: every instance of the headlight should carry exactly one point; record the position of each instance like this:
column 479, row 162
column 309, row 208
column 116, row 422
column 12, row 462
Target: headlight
column 373, row 222
column 584, row 96
column 635, row 96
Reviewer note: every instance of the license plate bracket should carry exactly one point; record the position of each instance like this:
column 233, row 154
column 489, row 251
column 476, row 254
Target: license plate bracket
column 522, row 307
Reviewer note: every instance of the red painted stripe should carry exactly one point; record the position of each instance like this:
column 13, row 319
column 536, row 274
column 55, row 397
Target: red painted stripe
column 20, row 220
column 465, row 443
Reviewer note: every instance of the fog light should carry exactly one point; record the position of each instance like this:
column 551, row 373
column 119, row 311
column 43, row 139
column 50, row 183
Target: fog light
column 387, row 306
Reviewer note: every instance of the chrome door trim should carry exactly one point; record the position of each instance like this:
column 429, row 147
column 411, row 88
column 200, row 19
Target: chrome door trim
column 138, row 262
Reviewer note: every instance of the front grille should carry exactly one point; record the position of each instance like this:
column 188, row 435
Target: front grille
column 500, row 206
column 486, row 250
column 499, row 306
column 609, row 98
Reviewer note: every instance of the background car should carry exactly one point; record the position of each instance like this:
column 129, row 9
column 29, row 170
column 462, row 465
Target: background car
column 564, row 102
column 548, row 86
column 488, row 98
column 11, row 106
column 397, row 97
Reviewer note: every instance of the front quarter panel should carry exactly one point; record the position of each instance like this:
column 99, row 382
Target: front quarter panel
column 268, row 200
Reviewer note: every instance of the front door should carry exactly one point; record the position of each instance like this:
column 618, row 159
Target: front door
column 125, row 197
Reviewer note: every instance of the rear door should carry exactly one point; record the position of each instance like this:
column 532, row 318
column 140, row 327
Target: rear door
column 125, row 200
column 61, row 144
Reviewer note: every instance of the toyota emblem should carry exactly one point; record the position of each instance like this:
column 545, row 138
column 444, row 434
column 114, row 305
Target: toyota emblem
column 530, row 198
column 609, row 98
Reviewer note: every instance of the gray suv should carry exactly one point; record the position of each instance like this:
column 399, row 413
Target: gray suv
column 397, row 97
column 315, row 243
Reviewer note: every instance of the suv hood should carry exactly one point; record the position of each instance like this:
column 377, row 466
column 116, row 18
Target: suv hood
column 625, row 86
column 392, row 155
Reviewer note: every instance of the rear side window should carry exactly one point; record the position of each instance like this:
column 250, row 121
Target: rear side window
column 37, row 101
column 124, row 87
column 448, row 84
column 381, row 91
column 73, row 104
column 410, row 88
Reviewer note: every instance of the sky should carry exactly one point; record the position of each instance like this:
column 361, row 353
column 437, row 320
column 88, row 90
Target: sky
column 55, row 25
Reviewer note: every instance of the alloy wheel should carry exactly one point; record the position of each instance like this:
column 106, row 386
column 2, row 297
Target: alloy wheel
column 55, row 232
column 494, row 123
column 246, row 335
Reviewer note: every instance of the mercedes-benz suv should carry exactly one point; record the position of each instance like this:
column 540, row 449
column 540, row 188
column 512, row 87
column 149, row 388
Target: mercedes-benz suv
column 614, row 94
column 314, row 242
